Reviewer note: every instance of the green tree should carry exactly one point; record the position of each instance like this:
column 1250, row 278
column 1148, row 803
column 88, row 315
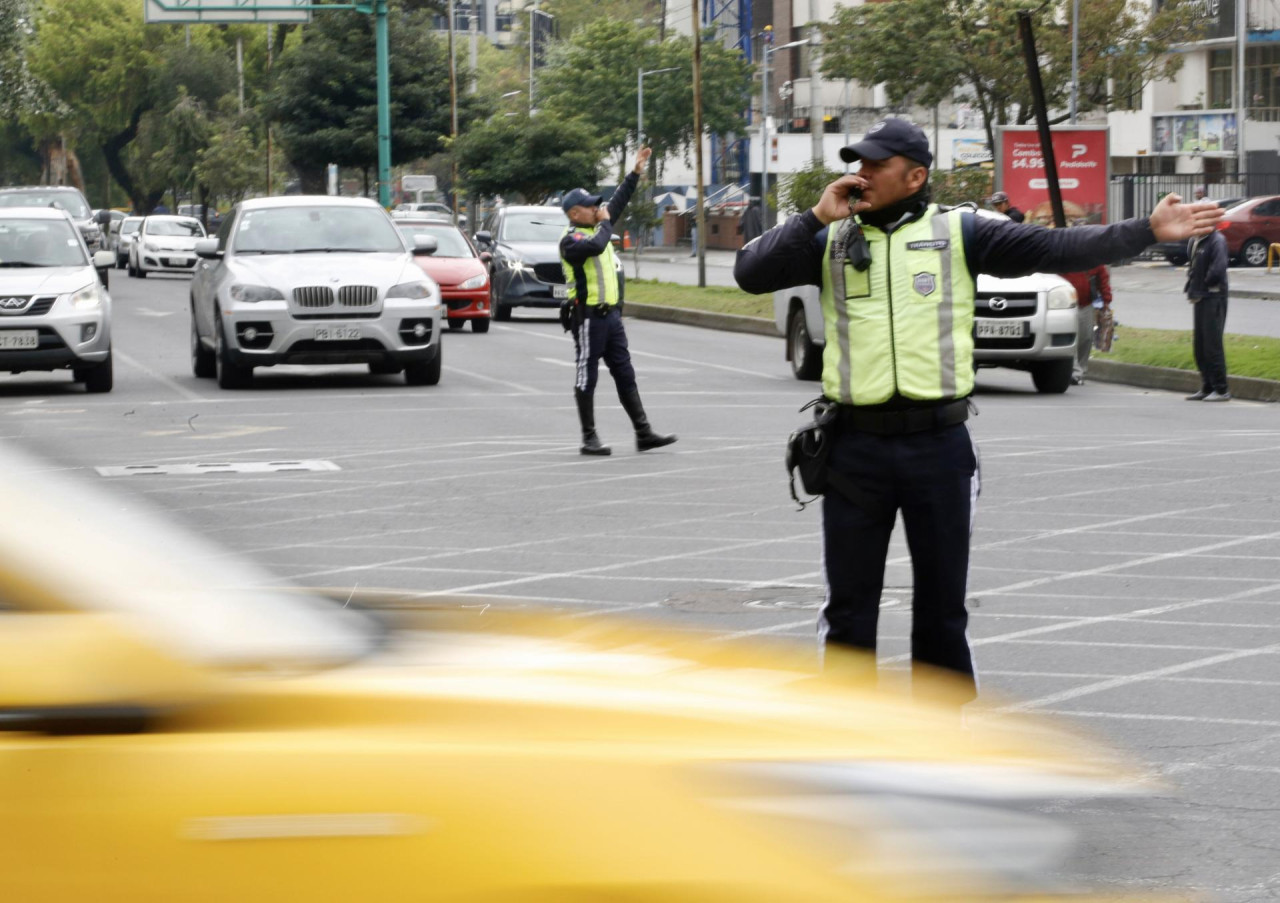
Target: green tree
column 572, row 15
column 323, row 96
column 958, row 186
column 927, row 51
column 801, row 189
column 231, row 163
column 532, row 156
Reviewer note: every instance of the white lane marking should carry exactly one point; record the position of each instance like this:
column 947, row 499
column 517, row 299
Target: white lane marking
column 1138, row 716
column 158, row 377
column 149, row 312
column 471, row 374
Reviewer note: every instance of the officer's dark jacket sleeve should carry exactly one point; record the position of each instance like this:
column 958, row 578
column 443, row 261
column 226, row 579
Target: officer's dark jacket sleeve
column 788, row 255
column 576, row 251
column 1001, row 247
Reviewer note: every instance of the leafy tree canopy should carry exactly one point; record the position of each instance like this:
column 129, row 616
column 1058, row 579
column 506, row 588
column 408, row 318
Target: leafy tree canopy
column 927, row 51
column 533, row 156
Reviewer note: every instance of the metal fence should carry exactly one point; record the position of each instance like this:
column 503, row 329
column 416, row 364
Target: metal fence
column 1136, row 195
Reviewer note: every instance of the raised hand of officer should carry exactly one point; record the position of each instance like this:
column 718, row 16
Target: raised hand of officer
column 837, row 201
column 641, row 159
column 1173, row 220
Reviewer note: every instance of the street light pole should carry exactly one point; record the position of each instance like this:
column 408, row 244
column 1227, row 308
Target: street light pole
column 384, row 101
column 533, row 40
column 764, row 125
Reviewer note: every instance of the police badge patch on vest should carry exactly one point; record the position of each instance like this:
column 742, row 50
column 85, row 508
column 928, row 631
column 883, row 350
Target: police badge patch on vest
column 937, row 244
column 925, row 283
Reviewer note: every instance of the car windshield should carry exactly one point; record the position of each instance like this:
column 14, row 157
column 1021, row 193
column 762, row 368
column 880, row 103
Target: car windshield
column 545, row 225
column 304, row 230
column 449, row 240
column 129, row 226
column 39, row 243
column 184, row 228
column 69, row 201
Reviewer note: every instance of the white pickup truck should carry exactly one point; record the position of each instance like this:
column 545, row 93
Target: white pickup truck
column 1027, row 323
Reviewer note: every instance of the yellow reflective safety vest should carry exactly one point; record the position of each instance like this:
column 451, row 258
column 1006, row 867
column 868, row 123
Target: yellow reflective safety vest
column 905, row 324
column 601, row 270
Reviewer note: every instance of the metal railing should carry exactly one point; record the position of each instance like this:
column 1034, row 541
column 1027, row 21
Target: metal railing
column 1136, row 195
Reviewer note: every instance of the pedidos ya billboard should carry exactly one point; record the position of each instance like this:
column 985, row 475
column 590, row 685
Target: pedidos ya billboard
column 1082, row 155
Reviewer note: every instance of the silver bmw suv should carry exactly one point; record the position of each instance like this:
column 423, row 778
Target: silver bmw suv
column 312, row 280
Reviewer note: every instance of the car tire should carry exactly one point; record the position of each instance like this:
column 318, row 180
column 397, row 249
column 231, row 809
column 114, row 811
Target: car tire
column 121, row 262
column 1253, row 253
column 1176, row 259
column 500, row 310
column 229, row 374
column 140, row 272
column 129, row 266
column 456, row 324
column 104, row 278
column 480, row 324
column 203, row 363
column 98, row 378
column 1052, row 377
column 425, row 373
column 806, row 357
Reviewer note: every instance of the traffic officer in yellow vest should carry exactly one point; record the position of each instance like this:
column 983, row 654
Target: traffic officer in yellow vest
column 897, row 278
column 590, row 273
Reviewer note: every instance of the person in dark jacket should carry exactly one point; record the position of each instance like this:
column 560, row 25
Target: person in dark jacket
column 897, row 276
column 586, row 254
column 1001, row 204
column 1207, row 291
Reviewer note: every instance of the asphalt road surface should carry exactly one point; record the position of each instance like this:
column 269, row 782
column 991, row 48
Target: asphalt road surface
column 1126, row 559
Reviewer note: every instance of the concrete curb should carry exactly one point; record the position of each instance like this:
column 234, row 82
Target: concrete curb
column 1256, row 294
column 1166, row 378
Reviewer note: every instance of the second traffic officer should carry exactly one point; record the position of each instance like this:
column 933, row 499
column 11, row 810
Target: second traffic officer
column 590, row 272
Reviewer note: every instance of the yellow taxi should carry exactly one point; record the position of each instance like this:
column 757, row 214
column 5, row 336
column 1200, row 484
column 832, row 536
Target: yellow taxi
column 172, row 728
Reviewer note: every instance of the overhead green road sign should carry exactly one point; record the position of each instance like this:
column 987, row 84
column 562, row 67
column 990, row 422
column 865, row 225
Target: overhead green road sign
column 191, row 12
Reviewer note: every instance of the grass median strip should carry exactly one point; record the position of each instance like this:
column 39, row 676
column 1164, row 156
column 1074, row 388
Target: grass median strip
column 1254, row 356
column 1247, row 355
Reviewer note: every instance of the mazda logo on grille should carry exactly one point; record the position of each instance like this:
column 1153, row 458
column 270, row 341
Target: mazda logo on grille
column 997, row 303
column 12, row 303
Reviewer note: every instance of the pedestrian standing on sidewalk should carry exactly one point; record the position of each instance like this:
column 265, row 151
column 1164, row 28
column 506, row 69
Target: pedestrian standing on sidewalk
column 586, row 254
column 1207, row 291
column 1093, row 289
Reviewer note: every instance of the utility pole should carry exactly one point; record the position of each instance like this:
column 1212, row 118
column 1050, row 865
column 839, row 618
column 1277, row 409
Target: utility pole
column 472, row 21
column 383, row 58
column 240, row 70
column 764, row 124
column 271, row 35
column 817, row 117
column 453, row 116
column 700, row 214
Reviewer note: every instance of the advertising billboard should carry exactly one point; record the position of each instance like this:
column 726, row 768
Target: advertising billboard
column 1189, row 133
column 1083, row 157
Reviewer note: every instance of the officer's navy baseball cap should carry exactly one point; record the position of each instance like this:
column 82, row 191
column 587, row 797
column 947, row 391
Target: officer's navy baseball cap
column 890, row 138
column 579, row 197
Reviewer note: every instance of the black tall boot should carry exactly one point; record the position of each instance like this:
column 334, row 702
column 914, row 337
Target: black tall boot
column 646, row 438
column 591, row 444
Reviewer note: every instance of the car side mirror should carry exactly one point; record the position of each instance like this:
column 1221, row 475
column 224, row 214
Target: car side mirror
column 425, row 245
column 484, row 238
column 103, row 260
column 207, row 248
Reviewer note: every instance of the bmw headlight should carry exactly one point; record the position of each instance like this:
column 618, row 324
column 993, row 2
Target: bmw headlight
column 86, row 298
column 475, row 282
column 254, row 293
column 415, row 291
column 1062, row 297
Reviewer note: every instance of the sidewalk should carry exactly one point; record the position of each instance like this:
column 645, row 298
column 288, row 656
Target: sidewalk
column 1159, row 276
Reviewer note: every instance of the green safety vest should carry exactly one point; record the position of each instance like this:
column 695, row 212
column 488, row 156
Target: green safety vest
column 905, row 324
column 602, row 272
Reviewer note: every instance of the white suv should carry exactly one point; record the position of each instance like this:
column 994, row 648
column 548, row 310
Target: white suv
column 55, row 312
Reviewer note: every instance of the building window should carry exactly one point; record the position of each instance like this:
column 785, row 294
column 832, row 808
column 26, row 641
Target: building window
column 1221, row 80
column 1262, row 82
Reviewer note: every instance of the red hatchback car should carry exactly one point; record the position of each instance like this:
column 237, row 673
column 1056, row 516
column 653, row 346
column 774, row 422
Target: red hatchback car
column 457, row 267
column 1250, row 228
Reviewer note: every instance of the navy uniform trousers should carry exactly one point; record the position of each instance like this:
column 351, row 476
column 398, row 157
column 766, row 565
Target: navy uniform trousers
column 932, row 477
column 604, row 337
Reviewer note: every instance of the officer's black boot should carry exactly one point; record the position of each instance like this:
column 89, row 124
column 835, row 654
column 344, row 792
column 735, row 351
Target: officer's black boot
column 646, row 438
column 591, row 444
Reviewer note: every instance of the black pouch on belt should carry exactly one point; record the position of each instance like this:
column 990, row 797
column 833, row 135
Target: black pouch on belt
column 808, row 449
column 568, row 315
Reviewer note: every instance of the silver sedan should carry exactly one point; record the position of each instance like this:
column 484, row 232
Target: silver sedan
column 312, row 280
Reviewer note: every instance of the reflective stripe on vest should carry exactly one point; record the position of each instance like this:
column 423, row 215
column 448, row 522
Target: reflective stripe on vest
column 601, row 264
column 904, row 325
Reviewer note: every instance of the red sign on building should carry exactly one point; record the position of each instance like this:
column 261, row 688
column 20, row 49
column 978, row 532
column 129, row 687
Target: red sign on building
column 1082, row 155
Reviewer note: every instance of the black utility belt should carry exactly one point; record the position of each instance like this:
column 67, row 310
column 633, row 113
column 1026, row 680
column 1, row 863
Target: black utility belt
column 601, row 310
column 910, row 420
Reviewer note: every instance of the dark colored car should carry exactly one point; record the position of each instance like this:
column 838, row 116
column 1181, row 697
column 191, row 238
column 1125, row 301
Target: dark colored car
column 1176, row 251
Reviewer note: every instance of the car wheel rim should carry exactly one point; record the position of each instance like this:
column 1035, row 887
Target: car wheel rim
column 799, row 340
